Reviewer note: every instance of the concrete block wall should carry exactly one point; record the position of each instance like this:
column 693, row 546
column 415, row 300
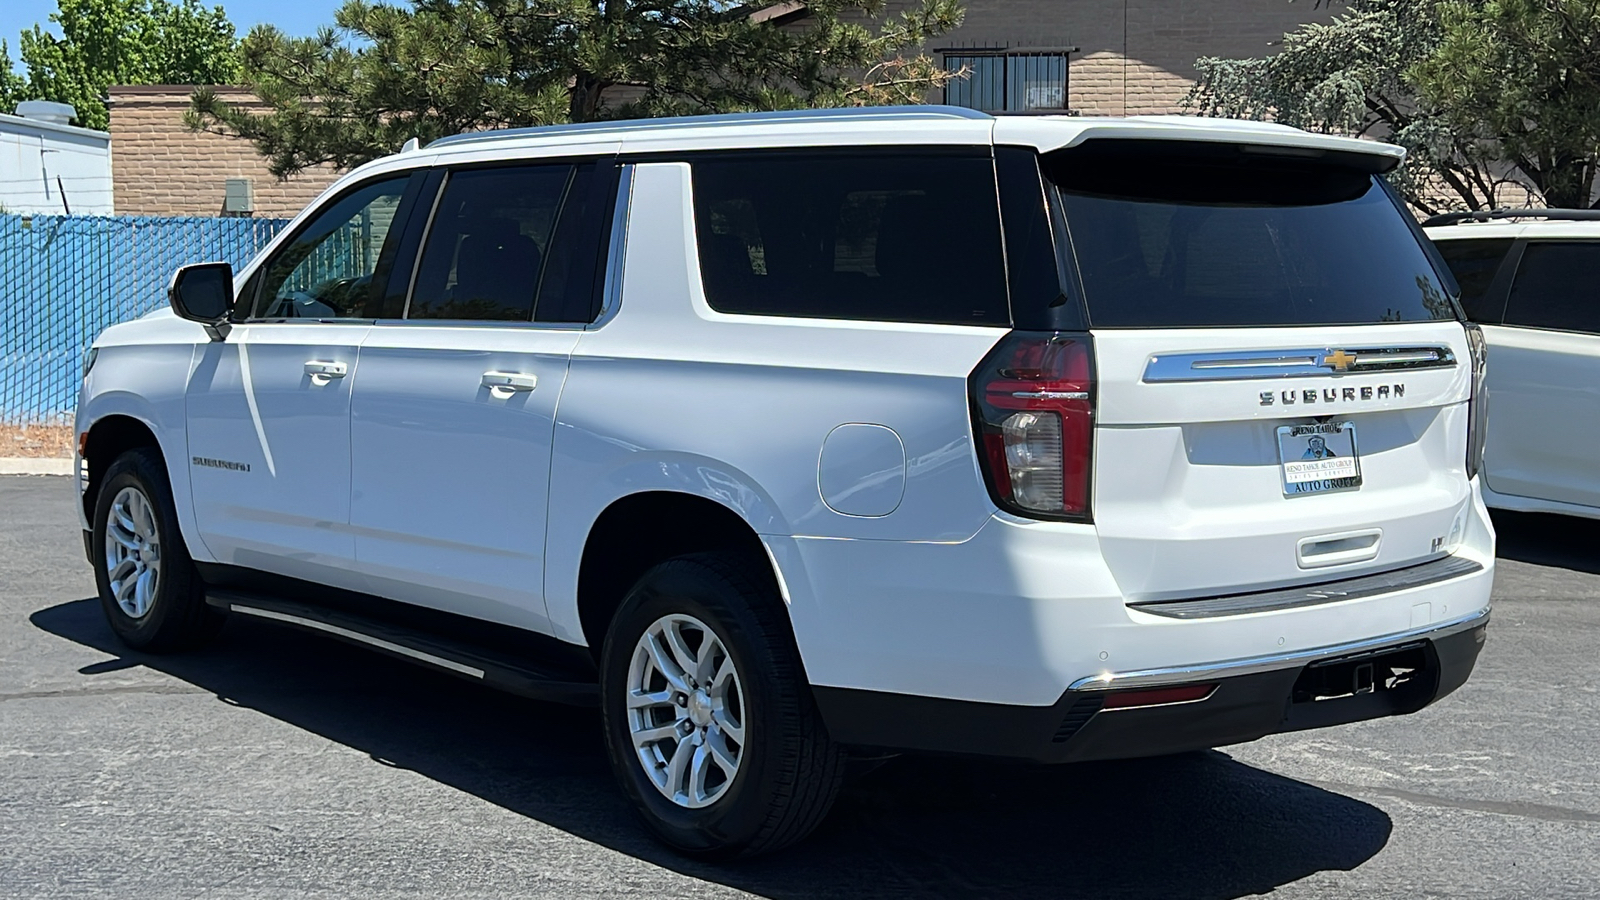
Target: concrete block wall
column 160, row 168
column 1133, row 56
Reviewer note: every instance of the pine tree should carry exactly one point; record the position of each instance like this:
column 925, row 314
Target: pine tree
column 1483, row 94
column 384, row 74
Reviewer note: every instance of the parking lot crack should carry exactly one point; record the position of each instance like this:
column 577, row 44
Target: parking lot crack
column 1541, row 811
column 102, row 690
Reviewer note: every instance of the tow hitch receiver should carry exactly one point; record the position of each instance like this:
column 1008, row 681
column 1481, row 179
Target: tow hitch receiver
column 1393, row 680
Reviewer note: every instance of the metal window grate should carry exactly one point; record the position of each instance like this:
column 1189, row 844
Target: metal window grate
column 1008, row 82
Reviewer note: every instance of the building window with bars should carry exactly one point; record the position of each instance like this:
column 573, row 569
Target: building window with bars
column 1001, row 82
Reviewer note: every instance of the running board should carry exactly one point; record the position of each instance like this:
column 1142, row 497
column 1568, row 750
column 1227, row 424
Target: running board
column 493, row 668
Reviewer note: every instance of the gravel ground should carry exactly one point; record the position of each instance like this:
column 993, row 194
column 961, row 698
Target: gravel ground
column 277, row 764
column 36, row 441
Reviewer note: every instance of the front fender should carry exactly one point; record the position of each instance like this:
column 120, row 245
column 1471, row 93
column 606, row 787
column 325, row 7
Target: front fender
column 146, row 382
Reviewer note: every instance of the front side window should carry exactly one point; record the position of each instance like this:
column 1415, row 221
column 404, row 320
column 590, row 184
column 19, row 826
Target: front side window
column 1556, row 288
column 326, row 271
column 1008, row 82
column 902, row 238
column 486, row 249
column 1474, row 264
column 1170, row 240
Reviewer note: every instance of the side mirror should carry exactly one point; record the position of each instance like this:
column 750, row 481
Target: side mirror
column 204, row 293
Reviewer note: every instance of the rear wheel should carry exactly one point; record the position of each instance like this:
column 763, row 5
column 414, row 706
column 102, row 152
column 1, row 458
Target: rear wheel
column 708, row 716
column 149, row 590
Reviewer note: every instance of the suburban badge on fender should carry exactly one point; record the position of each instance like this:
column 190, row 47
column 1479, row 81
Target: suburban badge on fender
column 229, row 464
column 1309, row 396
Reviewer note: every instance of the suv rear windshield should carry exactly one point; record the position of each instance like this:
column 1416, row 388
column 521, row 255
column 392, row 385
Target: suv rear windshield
column 1224, row 238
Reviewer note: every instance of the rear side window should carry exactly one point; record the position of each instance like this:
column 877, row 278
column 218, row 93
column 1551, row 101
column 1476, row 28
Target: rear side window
column 486, row 248
column 1474, row 264
column 1162, row 240
column 893, row 238
column 1556, row 288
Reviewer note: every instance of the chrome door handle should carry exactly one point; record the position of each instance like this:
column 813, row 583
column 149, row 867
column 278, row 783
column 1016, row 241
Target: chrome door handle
column 326, row 369
column 509, row 381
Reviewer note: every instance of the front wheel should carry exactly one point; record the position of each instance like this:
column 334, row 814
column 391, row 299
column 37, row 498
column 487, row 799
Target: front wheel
column 149, row 590
column 708, row 717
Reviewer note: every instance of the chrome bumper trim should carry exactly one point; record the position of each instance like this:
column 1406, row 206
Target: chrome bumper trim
column 1254, row 665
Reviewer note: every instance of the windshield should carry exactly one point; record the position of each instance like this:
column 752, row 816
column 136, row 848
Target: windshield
column 1165, row 242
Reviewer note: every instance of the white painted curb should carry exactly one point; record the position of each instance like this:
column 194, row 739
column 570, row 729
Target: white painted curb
column 22, row 465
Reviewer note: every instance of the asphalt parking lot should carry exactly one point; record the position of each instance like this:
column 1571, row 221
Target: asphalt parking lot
column 276, row 764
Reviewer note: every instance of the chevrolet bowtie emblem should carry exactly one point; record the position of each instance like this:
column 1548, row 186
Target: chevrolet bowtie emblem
column 1339, row 360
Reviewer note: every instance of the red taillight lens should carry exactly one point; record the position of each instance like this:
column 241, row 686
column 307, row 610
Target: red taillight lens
column 1033, row 404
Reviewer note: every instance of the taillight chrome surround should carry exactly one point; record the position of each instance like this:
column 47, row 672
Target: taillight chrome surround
column 1033, row 404
column 1478, row 406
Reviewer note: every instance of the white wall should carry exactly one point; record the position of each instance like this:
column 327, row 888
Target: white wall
column 34, row 154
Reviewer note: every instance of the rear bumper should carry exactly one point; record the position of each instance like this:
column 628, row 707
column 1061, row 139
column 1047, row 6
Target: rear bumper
column 1253, row 697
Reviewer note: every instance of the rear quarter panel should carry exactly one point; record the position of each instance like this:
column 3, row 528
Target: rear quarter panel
column 671, row 395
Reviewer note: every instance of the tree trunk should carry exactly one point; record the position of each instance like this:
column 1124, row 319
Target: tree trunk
column 585, row 98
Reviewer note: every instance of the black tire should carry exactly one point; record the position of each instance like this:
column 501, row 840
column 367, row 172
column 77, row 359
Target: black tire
column 176, row 617
column 789, row 772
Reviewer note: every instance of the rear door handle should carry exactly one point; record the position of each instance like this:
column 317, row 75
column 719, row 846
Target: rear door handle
column 509, row 382
column 318, row 369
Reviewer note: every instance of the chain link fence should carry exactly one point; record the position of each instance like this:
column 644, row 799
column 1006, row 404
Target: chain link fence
column 64, row 279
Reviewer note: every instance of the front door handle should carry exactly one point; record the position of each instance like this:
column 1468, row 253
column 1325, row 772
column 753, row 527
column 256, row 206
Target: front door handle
column 317, row 369
column 509, row 382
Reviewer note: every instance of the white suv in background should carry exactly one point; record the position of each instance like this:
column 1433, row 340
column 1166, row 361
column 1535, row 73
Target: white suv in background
column 1531, row 279
column 788, row 436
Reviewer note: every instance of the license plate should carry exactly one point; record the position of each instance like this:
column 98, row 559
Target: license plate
column 1318, row 458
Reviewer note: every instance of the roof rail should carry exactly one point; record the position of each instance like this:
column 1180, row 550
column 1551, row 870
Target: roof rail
column 1489, row 215
column 750, row 118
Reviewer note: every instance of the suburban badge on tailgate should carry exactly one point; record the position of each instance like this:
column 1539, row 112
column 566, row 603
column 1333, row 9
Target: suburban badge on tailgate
column 1334, row 395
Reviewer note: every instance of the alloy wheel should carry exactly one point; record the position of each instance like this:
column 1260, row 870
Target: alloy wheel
column 133, row 552
column 686, row 713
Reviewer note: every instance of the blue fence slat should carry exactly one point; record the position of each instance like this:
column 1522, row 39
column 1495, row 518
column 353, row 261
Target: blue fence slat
column 64, row 279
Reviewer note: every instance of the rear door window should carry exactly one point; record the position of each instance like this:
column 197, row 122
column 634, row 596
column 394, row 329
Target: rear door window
column 1556, row 287
column 905, row 237
column 1474, row 264
column 487, row 247
column 1166, row 241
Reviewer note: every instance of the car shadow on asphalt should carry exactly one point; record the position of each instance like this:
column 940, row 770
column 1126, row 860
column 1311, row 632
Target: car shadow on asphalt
column 1545, row 539
column 1195, row 825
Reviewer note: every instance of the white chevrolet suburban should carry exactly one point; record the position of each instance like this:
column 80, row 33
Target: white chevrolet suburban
column 785, row 437
column 1527, row 278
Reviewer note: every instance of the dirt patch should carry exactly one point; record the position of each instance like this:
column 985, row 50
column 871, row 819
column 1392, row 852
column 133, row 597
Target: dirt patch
column 36, row 441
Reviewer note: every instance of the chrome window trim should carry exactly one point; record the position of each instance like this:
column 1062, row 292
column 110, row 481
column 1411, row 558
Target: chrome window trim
column 1291, row 363
column 616, row 249
column 515, row 324
column 1255, row 665
column 422, row 244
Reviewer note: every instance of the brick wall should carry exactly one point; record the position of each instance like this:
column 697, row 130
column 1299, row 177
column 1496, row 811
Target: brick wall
column 1133, row 56
column 160, row 168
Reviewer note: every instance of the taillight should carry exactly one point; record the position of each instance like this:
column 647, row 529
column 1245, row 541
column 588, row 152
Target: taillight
column 1478, row 407
column 1033, row 410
